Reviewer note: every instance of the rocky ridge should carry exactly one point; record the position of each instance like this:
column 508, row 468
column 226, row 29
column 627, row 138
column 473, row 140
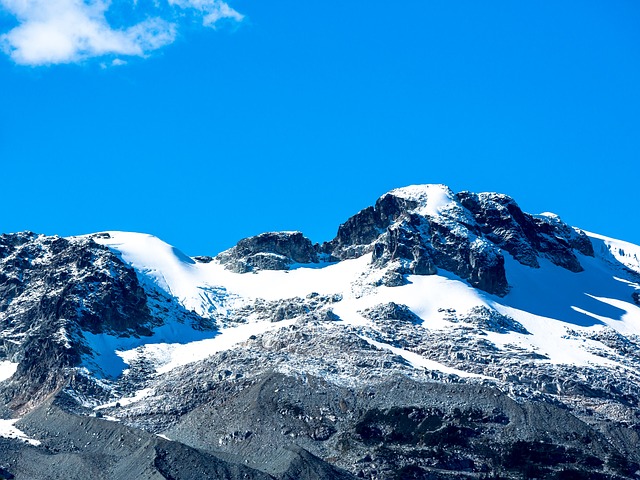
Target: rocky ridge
column 465, row 233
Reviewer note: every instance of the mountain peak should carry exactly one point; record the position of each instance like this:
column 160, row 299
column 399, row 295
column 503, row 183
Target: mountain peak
column 430, row 199
column 420, row 229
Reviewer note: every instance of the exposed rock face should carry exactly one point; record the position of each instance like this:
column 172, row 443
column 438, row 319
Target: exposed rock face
column 424, row 228
column 636, row 298
column 81, row 281
column 52, row 289
column 54, row 294
column 357, row 234
column 395, row 233
column 526, row 236
column 269, row 251
column 395, row 230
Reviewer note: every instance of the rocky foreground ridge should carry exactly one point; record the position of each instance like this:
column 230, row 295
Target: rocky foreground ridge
column 438, row 335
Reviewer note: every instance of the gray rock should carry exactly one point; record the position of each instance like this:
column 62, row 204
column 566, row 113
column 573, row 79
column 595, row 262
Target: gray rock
column 391, row 311
column 53, row 291
column 400, row 425
column 466, row 240
column 491, row 320
column 419, row 245
column 77, row 448
column 269, row 251
column 525, row 236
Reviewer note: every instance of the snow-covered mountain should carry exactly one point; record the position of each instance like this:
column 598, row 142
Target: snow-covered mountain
column 439, row 335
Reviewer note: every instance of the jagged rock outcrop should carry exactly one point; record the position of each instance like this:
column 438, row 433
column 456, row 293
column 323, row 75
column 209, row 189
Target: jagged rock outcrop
column 54, row 293
column 269, row 251
column 397, row 231
column 313, row 305
column 489, row 320
column 525, row 236
column 420, row 229
column 78, row 279
column 51, row 290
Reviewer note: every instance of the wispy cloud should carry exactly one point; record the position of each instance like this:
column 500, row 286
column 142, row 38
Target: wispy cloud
column 212, row 11
column 66, row 31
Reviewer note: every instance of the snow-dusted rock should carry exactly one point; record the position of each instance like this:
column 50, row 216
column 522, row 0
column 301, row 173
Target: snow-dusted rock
column 269, row 251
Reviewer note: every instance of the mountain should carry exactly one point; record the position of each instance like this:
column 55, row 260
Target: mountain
column 439, row 335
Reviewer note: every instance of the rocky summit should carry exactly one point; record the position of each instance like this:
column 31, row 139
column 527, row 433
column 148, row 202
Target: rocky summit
column 439, row 335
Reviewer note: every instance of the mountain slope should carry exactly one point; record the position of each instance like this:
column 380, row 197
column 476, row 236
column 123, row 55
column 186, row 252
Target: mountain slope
column 439, row 335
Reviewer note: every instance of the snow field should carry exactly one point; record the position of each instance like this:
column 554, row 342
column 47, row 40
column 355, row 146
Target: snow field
column 547, row 301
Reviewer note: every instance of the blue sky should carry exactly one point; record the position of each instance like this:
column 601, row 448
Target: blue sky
column 203, row 122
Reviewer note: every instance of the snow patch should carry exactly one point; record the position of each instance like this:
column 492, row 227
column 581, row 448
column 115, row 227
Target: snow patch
column 7, row 369
column 124, row 401
column 549, row 300
column 626, row 253
column 9, row 430
column 432, row 199
column 167, row 356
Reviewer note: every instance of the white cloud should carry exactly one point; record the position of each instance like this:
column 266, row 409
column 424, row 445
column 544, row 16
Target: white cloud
column 212, row 10
column 66, row 31
column 221, row 11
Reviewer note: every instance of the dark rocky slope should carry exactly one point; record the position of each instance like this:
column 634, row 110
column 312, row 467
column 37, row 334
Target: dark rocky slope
column 53, row 291
column 466, row 237
column 403, row 429
column 80, row 447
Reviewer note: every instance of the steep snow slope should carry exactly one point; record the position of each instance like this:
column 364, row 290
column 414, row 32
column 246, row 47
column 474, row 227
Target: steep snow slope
column 610, row 249
column 7, row 369
column 166, row 267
